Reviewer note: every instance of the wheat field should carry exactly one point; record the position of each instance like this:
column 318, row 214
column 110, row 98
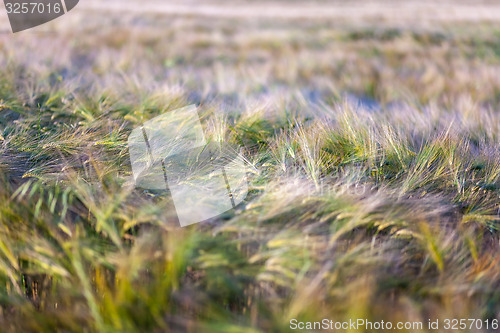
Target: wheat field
column 371, row 134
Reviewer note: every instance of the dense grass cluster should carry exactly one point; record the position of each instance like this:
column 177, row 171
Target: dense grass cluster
column 373, row 162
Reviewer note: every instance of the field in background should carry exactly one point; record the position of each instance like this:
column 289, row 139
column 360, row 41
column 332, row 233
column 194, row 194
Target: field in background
column 372, row 135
